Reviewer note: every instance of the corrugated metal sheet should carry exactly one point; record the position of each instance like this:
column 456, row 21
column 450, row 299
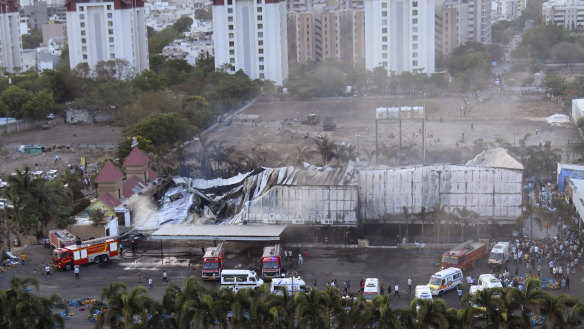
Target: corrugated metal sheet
column 491, row 192
column 330, row 205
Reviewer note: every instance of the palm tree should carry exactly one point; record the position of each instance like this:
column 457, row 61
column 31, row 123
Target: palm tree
column 422, row 217
column 303, row 155
column 327, row 149
column 312, row 309
column 437, row 215
column 523, row 302
column 532, row 212
column 465, row 217
column 556, row 309
column 494, row 303
column 429, row 313
column 124, row 307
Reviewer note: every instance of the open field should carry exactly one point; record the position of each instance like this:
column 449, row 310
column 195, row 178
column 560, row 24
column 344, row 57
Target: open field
column 509, row 118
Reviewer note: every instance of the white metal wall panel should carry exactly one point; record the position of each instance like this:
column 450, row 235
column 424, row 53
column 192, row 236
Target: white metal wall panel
column 494, row 193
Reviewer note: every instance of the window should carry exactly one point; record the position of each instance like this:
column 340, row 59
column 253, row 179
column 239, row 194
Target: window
column 230, row 2
column 383, row 22
column 110, row 31
column 231, row 27
column 232, row 60
column 260, row 34
column 112, row 56
column 82, row 32
column 230, row 19
column 81, row 8
column 415, row 21
column 82, row 24
column 261, row 59
column 260, row 42
column 415, row 29
column 415, row 55
column 384, row 47
column 260, row 26
column 261, row 50
column 110, row 23
column 109, row 7
column 111, row 39
column 231, row 52
column 384, row 55
column 261, row 67
column 415, row 12
column 384, row 13
column 230, row 10
column 415, row 46
column 384, row 30
column 415, row 63
column 231, row 35
column 81, row 16
column 83, row 49
column 415, row 38
column 260, row 17
column 231, row 43
column 414, row 4
column 109, row 15
column 259, row 9
column 384, row 5
column 384, row 39
column 261, row 77
column 84, row 56
column 83, row 40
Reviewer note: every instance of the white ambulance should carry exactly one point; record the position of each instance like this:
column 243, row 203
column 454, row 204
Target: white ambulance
column 371, row 289
column 292, row 284
column 445, row 280
column 240, row 279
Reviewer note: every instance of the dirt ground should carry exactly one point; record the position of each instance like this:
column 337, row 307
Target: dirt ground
column 500, row 116
column 73, row 142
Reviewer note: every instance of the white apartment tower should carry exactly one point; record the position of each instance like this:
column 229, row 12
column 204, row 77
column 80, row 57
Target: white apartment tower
column 10, row 41
column 399, row 35
column 251, row 35
column 103, row 30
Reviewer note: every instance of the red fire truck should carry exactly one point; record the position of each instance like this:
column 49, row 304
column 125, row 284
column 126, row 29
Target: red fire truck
column 271, row 262
column 464, row 255
column 213, row 261
column 90, row 251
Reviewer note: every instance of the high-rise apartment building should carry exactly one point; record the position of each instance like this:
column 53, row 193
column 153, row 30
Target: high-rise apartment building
column 103, row 30
column 509, row 9
column 462, row 21
column 569, row 13
column 399, row 35
column 10, row 41
column 251, row 35
column 328, row 33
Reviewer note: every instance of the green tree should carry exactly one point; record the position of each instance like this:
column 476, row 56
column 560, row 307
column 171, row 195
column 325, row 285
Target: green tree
column 148, row 81
column 380, row 79
column 183, row 24
column 148, row 103
column 465, row 217
column 13, row 99
column 33, row 39
column 555, row 83
column 64, row 218
column 96, row 216
column 196, row 110
column 437, row 215
column 203, row 14
column 125, row 147
column 327, row 149
column 124, row 306
column 163, row 129
column 429, row 313
column 39, row 105
column 312, row 309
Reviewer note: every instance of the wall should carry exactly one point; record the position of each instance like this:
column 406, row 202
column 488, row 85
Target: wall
column 329, row 205
column 493, row 193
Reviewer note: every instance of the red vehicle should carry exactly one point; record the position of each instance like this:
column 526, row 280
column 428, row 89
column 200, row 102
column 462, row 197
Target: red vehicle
column 464, row 255
column 61, row 238
column 272, row 262
column 213, row 261
column 91, row 251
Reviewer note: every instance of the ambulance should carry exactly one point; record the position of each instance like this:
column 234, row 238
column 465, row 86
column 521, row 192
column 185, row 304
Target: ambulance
column 423, row 292
column 371, row 289
column 292, row 285
column 445, row 280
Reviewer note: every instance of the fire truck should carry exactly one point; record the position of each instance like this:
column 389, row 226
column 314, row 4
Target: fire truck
column 213, row 262
column 90, row 251
column 61, row 238
column 464, row 255
column 271, row 262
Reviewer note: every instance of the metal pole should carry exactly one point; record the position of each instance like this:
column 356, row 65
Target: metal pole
column 376, row 141
column 423, row 141
column 161, row 253
column 400, row 142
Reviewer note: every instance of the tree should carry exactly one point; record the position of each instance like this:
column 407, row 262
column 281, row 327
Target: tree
column 20, row 308
column 531, row 212
column 465, row 217
column 125, row 147
column 183, row 24
column 557, row 310
column 196, row 110
column 148, row 103
column 64, row 218
column 13, row 99
column 148, row 81
column 33, row 39
column 422, row 217
column 114, row 69
column 203, row 14
column 124, row 307
column 567, row 53
column 312, row 309
column 437, row 215
column 163, row 129
column 380, row 79
column 326, row 148
column 555, row 83
column 429, row 313
column 39, row 105
column 96, row 216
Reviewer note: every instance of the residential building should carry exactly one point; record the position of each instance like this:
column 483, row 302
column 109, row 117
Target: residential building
column 10, row 40
column 462, row 21
column 329, row 33
column 399, row 35
column 55, row 31
column 251, row 35
column 509, row 9
column 567, row 13
column 100, row 30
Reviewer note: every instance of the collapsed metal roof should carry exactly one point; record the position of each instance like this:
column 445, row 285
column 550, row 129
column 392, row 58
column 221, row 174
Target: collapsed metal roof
column 219, row 232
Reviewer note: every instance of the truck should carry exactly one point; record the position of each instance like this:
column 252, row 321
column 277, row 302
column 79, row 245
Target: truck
column 61, row 238
column 311, row 120
column 329, row 124
column 91, row 251
column 500, row 254
column 271, row 262
column 213, row 262
column 464, row 256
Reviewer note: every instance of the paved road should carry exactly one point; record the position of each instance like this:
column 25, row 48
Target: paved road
column 391, row 266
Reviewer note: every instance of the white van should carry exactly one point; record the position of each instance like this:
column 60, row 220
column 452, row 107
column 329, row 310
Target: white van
column 240, row 279
column 445, row 280
column 371, row 289
column 489, row 281
column 293, row 285
column 500, row 254
column 423, row 292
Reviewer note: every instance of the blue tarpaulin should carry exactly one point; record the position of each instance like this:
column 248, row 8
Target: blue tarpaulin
column 571, row 173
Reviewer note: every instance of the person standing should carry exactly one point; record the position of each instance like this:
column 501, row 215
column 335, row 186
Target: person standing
column 459, row 291
column 150, row 283
column 396, row 291
column 299, row 258
column 139, row 277
column 76, row 271
column 164, row 278
column 410, row 285
column 47, row 271
column 315, row 284
column 22, row 258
